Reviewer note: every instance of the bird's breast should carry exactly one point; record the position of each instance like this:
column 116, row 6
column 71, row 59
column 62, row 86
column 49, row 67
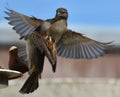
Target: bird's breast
column 57, row 29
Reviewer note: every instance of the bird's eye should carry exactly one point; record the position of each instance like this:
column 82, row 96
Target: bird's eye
column 64, row 12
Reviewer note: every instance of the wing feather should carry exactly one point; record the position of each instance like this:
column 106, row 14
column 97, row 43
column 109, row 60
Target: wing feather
column 45, row 45
column 75, row 45
column 24, row 25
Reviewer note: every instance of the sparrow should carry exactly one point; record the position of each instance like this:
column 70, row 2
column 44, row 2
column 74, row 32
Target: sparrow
column 67, row 43
column 16, row 62
column 38, row 47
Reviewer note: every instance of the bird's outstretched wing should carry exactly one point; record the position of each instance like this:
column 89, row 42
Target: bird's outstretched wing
column 24, row 25
column 75, row 45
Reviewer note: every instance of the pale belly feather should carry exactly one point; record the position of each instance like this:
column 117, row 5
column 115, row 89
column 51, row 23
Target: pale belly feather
column 57, row 29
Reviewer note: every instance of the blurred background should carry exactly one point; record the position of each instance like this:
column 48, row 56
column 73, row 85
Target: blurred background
column 97, row 19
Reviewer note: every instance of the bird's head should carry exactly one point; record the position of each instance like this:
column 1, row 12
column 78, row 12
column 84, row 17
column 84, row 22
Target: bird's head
column 13, row 50
column 62, row 13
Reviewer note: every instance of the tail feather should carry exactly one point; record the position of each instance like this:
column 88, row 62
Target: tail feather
column 31, row 84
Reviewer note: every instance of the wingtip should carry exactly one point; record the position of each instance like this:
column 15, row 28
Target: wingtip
column 7, row 18
column 8, row 9
column 110, row 42
column 54, row 68
column 6, row 12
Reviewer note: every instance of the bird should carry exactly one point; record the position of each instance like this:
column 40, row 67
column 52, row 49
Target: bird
column 16, row 62
column 68, row 43
column 39, row 46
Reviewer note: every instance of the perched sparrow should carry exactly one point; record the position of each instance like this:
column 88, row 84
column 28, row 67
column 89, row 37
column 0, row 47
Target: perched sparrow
column 15, row 62
column 69, row 44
